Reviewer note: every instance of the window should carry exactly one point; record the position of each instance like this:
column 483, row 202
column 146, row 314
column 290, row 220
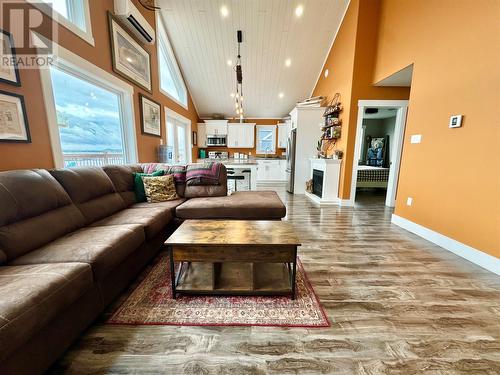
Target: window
column 171, row 82
column 178, row 140
column 89, row 120
column 266, row 139
column 72, row 14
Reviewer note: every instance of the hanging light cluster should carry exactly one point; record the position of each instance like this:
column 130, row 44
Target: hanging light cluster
column 238, row 97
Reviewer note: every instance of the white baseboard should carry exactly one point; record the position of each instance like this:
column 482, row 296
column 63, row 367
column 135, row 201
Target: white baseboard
column 346, row 202
column 320, row 201
column 272, row 182
column 475, row 256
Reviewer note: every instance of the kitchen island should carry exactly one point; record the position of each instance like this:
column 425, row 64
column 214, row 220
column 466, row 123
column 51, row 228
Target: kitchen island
column 239, row 165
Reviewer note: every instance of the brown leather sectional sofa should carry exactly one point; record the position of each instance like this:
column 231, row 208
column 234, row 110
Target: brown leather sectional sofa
column 72, row 239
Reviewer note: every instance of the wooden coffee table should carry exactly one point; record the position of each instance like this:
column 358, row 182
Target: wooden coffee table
column 233, row 257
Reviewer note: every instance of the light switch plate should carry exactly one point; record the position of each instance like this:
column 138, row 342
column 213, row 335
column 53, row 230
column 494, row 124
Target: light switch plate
column 409, row 201
column 416, row 138
column 456, row 121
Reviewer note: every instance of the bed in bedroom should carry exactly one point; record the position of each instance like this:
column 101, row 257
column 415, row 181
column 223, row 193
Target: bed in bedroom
column 372, row 177
column 373, row 171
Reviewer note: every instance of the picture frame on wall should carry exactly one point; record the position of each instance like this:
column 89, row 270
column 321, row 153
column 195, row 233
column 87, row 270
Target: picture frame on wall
column 150, row 116
column 195, row 138
column 13, row 119
column 130, row 59
column 9, row 73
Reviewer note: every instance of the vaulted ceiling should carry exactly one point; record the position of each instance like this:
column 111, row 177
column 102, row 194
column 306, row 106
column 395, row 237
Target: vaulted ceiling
column 204, row 40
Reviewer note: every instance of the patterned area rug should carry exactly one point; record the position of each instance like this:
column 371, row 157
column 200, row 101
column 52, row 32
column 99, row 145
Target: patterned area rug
column 151, row 303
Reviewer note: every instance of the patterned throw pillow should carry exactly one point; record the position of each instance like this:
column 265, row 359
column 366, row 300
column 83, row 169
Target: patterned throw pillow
column 140, row 194
column 160, row 189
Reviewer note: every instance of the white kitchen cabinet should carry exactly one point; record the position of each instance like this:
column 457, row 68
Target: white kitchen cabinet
column 240, row 135
column 271, row 170
column 282, row 135
column 262, row 171
column 216, row 127
column 283, row 170
column 202, row 135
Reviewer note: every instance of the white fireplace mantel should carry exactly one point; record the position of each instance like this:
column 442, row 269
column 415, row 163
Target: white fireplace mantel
column 331, row 177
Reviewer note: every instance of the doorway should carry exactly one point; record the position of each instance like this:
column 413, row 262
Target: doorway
column 178, row 137
column 378, row 147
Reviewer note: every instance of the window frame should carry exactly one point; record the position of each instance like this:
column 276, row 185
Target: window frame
column 170, row 114
column 163, row 40
column 257, row 143
column 74, row 9
column 73, row 64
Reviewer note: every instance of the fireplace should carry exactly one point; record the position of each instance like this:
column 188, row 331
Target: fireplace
column 324, row 181
column 317, row 182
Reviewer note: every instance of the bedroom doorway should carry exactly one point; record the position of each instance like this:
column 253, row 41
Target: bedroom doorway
column 378, row 147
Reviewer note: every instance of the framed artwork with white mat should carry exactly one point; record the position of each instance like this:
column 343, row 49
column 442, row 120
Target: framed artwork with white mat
column 13, row 119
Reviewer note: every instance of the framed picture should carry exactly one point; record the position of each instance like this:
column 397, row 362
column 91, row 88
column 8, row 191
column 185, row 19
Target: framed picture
column 195, row 138
column 150, row 116
column 13, row 120
column 130, row 59
column 9, row 73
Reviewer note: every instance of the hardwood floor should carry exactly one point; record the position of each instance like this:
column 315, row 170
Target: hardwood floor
column 398, row 304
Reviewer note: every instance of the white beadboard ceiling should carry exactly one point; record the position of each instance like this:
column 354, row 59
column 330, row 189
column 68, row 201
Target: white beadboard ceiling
column 203, row 41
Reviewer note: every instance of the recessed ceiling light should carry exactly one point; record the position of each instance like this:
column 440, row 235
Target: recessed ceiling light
column 224, row 11
column 288, row 62
column 299, row 11
column 281, row 95
column 232, row 95
column 326, row 73
column 229, row 62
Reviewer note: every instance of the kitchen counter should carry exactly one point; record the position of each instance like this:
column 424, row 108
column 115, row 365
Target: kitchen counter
column 270, row 158
column 231, row 161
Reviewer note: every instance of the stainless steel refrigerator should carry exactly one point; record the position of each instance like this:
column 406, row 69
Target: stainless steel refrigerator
column 290, row 160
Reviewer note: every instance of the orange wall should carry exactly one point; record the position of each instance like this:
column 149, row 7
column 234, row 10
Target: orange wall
column 38, row 154
column 340, row 65
column 351, row 65
column 454, row 174
column 231, row 151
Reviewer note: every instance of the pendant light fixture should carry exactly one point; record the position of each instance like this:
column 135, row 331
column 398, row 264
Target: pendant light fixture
column 239, row 79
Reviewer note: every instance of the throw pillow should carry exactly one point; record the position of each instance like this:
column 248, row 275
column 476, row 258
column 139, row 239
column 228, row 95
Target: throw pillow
column 160, row 189
column 140, row 194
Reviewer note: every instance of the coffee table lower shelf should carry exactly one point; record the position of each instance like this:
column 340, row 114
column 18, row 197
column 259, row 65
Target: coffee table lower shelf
column 234, row 278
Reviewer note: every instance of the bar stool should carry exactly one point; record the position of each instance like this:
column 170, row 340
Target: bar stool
column 249, row 173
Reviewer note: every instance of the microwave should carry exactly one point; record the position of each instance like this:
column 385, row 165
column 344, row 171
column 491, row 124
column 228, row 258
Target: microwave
column 216, row 141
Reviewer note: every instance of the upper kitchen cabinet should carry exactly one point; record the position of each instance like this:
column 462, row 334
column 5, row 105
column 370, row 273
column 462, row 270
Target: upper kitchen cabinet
column 216, row 127
column 240, row 135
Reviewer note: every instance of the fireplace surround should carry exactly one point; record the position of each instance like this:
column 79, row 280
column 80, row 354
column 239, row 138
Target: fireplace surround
column 325, row 175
